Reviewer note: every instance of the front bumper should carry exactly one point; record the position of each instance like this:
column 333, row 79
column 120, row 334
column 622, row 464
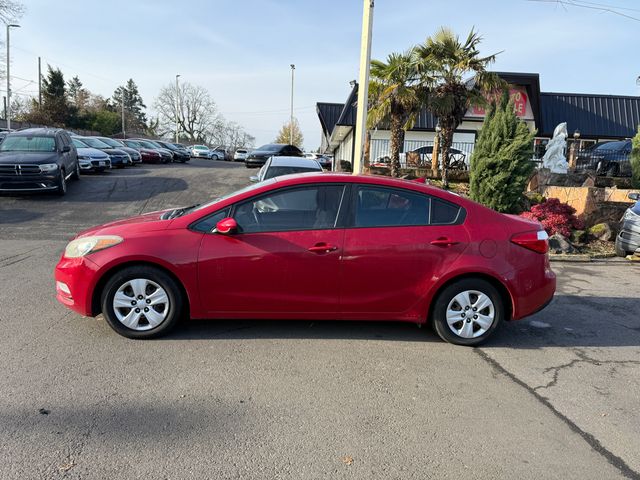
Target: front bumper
column 29, row 183
column 88, row 165
column 75, row 278
column 629, row 237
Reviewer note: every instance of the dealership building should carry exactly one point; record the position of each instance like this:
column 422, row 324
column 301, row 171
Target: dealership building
column 590, row 118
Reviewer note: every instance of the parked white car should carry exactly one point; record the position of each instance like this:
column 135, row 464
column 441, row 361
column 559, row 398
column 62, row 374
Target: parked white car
column 278, row 166
column 200, row 151
column 240, row 155
column 323, row 160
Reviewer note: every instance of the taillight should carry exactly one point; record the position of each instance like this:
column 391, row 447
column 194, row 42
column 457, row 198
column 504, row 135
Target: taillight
column 537, row 241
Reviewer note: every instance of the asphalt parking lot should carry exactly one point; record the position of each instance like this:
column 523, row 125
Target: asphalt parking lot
column 553, row 396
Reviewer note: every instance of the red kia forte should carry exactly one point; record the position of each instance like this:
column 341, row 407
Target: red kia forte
column 313, row 246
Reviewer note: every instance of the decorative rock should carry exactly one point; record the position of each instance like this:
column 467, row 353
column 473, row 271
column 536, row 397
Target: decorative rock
column 560, row 244
column 578, row 236
column 602, row 231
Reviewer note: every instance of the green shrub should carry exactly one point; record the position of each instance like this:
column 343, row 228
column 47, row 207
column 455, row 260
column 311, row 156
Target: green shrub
column 635, row 160
column 501, row 162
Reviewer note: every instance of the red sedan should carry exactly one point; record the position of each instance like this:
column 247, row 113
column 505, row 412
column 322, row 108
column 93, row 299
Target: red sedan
column 313, row 246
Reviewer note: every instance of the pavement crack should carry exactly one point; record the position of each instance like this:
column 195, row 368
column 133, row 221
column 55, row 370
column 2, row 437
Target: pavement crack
column 582, row 358
column 592, row 441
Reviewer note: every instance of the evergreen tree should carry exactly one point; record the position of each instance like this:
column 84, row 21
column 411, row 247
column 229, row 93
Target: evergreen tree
column 133, row 105
column 501, row 162
column 635, row 160
column 55, row 108
column 78, row 95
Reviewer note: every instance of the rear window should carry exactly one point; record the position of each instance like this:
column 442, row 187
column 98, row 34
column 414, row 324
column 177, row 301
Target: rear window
column 24, row 143
column 279, row 171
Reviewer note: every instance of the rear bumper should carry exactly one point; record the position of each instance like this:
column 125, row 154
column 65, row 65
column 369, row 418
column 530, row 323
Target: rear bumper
column 532, row 295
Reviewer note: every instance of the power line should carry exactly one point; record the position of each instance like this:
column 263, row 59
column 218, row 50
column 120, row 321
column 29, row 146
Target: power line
column 602, row 7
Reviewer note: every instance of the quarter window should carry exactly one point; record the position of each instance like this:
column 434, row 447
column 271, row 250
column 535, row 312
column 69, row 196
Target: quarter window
column 302, row 208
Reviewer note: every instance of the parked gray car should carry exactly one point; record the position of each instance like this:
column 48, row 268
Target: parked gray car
column 628, row 240
column 278, row 166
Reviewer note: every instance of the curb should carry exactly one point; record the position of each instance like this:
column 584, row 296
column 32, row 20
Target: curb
column 585, row 258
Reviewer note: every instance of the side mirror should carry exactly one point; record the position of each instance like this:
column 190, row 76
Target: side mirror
column 634, row 196
column 66, row 149
column 254, row 178
column 227, row 226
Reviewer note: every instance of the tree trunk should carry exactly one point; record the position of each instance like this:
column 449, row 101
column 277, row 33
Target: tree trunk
column 397, row 139
column 446, row 140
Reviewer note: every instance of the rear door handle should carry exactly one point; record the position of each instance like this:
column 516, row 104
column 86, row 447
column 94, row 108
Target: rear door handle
column 443, row 242
column 322, row 248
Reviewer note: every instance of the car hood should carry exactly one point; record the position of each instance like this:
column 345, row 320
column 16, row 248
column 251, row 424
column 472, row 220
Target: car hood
column 262, row 153
column 147, row 222
column 114, row 151
column 128, row 150
column 28, row 157
column 92, row 152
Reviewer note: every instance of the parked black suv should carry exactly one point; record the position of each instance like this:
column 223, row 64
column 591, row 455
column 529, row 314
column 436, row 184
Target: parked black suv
column 259, row 156
column 607, row 158
column 38, row 159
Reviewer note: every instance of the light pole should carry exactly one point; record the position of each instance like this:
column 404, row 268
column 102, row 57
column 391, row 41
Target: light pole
column 293, row 69
column 9, row 26
column 177, row 109
column 363, row 86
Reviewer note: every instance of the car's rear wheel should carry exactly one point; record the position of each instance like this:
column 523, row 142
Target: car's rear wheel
column 467, row 312
column 141, row 302
column 61, row 188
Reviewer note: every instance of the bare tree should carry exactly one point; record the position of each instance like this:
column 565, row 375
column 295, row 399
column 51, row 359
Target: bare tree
column 197, row 114
column 11, row 10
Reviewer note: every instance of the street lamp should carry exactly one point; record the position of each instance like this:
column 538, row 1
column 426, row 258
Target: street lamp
column 177, row 109
column 9, row 26
column 293, row 69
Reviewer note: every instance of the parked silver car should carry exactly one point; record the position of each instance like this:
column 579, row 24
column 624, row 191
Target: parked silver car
column 278, row 166
column 628, row 240
column 199, row 151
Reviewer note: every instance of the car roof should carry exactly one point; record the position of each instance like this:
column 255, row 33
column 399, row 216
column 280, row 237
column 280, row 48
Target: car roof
column 294, row 162
column 49, row 132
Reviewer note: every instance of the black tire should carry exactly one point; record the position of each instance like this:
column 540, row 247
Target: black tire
column 76, row 173
column 214, row 157
column 174, row 294
column 620, row 252
column 61, row 188
column 438, row 315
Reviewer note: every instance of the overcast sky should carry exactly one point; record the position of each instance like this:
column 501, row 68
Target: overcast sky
column 241, row 49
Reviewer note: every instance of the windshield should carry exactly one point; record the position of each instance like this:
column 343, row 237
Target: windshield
column 610, row 146
column 168, row 146
column 110, row 142
column 94, row 142
column 79, row 144
column 279, row 171
column 156, row 145
column 147, row 144
column 270, row 148
column 22, row 143
column 200, row 147
column 237, row 192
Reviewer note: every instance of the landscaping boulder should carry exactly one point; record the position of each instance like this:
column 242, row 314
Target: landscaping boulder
column 579, row 236
column 560, row 244
column 602, row 231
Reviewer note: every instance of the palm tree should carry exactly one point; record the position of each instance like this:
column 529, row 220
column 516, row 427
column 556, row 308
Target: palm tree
column 445, row 66
column 396, row 98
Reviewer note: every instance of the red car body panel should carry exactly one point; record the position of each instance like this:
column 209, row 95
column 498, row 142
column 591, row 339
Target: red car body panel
column 380, row 273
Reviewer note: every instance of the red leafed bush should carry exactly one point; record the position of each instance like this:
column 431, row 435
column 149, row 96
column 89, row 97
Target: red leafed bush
column 555, row 217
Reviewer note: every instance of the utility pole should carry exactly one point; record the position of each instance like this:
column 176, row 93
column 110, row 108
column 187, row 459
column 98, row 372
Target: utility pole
column 8, row 107
column 293, row 69
column 124, row 135
column 39, row 83
column 363, row 86
column 177, row 109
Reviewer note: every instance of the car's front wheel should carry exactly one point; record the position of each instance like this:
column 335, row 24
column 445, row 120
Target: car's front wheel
column 61, row 188
column 467, row 312
column 141, row 302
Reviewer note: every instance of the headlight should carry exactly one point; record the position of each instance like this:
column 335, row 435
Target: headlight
column 83, row 157
column 48, row 167
column 86, row 245
column 629, row 215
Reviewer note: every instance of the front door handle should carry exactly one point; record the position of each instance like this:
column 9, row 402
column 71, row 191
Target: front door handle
column 322, row 247
column 443, row 242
